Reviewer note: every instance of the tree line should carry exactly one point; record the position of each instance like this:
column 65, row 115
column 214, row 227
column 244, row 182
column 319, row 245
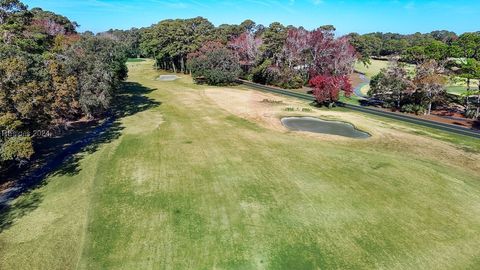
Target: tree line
column 418, row 47
column 440, row 54
column 459, row 53
column 50, row 75
column 284, row 56
column 289, row 56
column 170, row 41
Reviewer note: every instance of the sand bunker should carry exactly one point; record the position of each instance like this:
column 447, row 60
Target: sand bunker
column 168, row 78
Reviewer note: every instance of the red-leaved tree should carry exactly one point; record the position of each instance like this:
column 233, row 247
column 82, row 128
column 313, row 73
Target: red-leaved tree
column 319, row 53
column 247, row 48
column 326, row 88
column 295, row 49
column 330, row 56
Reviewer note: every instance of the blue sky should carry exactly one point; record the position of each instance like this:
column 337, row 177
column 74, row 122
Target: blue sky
column 348, row 15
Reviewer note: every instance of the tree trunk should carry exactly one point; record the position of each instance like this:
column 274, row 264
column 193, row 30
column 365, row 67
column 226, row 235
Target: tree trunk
column 468, row 84
column 467, row 104
column 400, row 100
column 182, row 65
column 174, row 68
column 430, row 102
column 478, row 106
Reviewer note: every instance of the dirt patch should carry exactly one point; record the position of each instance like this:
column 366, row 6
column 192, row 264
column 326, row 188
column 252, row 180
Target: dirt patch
column 250, row 105
column 441, row 117
column 468, row 123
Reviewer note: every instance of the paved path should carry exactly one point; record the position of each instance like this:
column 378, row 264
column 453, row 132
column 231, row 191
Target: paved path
column 358, row 90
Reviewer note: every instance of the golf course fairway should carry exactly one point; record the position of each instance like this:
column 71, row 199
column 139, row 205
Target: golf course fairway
column 195, row 177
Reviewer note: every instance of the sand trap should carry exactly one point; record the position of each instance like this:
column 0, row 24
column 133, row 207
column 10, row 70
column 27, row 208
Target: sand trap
column 168, row 78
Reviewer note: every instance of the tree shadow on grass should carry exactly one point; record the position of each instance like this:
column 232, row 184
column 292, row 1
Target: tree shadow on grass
column 62, row 155
column 10, row 212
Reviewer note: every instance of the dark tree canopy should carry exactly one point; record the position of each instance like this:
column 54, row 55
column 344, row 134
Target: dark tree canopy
column 214, row 64
column 414, row 48
column 170, row 41
column 50, row 75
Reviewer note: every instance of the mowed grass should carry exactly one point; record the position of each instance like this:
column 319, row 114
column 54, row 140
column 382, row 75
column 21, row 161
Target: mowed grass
column 376, row 66
column 350, row 100
column 460, row 87
column 135, row 60
column 187, row 185
column 456, row 89
column 373, row 69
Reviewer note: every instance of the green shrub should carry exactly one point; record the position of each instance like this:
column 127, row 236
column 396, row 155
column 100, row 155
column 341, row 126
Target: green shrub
column 419, row 109
column 268, row 74
column 413, row 108
column 259, row 73
column 388, row 105
column 407, row 108
column 290, row 80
